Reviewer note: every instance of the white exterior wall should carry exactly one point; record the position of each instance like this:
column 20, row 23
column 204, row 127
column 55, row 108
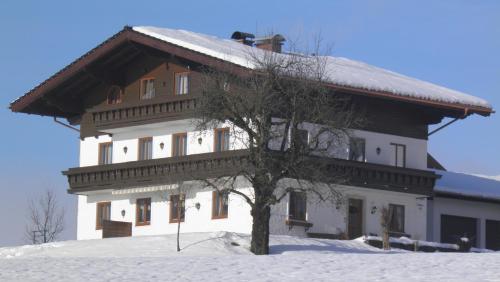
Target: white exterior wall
column 416, row 149
column 238, row 220
column 326, row 218
column 480, row 210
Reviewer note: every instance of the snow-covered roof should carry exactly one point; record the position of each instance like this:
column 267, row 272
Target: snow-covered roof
column 468, row 185
column 340, row 71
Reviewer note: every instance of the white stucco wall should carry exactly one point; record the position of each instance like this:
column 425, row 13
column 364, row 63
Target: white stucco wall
column 479, row 210
column 326, row 218
column 416, row 149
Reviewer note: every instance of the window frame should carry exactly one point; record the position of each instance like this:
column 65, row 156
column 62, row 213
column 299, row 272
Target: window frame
column 220, row 204
column 100, row 161
column 188, row 74
column 141, row 94
column 171, row 208
column 395, row 206
column 216, row 132
column 120, row 95
column 357, row 139
column 291, row 200
column 140, row 152
column 396, row 146
column 99, row 205
column 174, row 148
column 147, row 203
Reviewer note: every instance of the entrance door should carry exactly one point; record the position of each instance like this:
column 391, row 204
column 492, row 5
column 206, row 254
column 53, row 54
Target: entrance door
column 455, row 227
column 493, row 235
column 355, row 223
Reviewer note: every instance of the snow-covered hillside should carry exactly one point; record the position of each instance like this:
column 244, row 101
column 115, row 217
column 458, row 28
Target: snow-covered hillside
column 225, row 257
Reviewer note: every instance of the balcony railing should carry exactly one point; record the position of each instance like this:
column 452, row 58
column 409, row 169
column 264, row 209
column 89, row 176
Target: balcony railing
column 200, row 166
column 143, row 112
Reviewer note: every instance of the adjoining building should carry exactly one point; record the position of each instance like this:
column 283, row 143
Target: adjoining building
column 133, row 98
column 465, row 205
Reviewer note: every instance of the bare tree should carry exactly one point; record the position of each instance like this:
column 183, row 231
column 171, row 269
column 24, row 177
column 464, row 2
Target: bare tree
column 268, row 109
column 45, row 219
column 181, row 190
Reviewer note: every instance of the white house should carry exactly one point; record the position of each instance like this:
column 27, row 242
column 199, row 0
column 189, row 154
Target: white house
column 133, row 98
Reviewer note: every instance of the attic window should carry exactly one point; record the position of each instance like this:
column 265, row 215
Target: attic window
column 182, row 83
column 147, row 88
column 114, row 95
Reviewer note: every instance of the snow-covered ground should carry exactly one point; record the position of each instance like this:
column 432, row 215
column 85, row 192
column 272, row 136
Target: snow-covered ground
column 225, row 257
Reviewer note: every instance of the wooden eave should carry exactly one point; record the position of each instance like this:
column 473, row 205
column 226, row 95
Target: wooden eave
column 79, row 75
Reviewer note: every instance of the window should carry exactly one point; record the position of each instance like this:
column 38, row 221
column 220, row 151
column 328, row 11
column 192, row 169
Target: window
column 143, row 212
column 145, row 148
column 220, row 201
column 114, row 95
column 147, row 88
column 357, row 149
column 105, row 153
column 397, row 216
column 301, row 137
column 399, row 154
column 177, row 208
column 181, row 83
column 179, row 144
column 297, row 206
column 221, row 142
column 103, row 212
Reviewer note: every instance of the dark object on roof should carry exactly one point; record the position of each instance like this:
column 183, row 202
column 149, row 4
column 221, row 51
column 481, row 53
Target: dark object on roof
column 433, row 163
column 270, row 43
column 243, row 37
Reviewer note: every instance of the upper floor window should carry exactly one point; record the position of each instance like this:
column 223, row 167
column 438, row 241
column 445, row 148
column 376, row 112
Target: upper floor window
column 397, row 218
column 357, row 149
column 179, row 144
column 147, row 88
column 143, row 211
column 182, row 83
column 219, row 204
column 297, row 206
column 221, row 142
column 399, row 154
column 103, row 212
column 177, row 208
column 105, row 153
column 145, row 148
column 301, row 138
column 114, row 95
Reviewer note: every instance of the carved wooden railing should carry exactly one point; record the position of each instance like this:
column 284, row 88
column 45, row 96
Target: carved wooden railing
column 143, row 112
column 171, row 170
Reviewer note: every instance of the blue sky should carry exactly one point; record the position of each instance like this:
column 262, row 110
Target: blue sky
column 452, row 43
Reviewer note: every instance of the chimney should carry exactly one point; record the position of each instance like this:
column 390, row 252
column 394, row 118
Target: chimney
column 243, row 37
column 270, row 43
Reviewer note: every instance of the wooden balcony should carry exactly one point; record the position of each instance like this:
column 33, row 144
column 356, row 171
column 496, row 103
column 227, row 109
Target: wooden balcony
column 171, row 170
column 120, row 115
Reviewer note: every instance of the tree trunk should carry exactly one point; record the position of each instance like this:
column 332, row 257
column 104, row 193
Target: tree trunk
column 260, row 230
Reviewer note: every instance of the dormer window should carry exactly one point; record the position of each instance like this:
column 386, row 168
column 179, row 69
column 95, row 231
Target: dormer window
column 114, row 95
column 182, row 83
column 147, row 88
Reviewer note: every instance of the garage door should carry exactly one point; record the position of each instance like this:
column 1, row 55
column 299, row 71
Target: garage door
column 455, row 227
column 493, row 235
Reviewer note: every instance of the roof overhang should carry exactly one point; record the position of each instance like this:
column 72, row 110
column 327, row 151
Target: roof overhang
column 128, row 35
